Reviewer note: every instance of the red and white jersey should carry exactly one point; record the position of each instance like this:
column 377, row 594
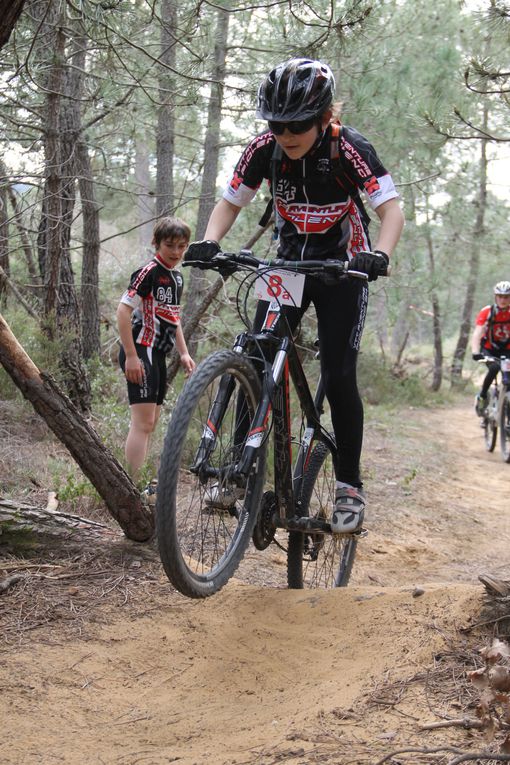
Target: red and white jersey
column 497, row 323
column 154, row 293
column 315, row 196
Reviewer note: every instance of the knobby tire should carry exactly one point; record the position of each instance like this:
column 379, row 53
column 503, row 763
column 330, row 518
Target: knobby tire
column 200, row 545
column 490, row 428
column 319, row 560
column 504, row 427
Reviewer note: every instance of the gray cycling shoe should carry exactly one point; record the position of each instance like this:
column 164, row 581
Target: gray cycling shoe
column 349, row 510
column 480, row 405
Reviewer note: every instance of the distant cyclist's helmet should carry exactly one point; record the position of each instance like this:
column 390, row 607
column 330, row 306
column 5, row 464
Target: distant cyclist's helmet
column 296, row 90
column 502, row 288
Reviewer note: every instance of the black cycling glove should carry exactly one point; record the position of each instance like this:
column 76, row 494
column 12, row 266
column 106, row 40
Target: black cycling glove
column 477, row 356
column 373, row 264
column 200, row 254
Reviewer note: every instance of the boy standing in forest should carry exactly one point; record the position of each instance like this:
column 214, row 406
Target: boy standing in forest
column 149, row 327
column 315, row 169
column 491, row 337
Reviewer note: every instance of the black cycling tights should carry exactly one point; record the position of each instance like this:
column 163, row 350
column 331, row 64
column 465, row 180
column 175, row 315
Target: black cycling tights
column 341, row 310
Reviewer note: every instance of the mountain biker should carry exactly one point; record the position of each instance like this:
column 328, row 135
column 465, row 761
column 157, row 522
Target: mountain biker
column 491, row 337
column 314, row 168
column 149, row 327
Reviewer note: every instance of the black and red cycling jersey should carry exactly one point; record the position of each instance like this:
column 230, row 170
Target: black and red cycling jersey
column 154, row 293
column 315, row 196
column 497, row 327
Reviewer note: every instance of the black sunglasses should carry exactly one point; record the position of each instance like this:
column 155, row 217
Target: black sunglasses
column 296, row 128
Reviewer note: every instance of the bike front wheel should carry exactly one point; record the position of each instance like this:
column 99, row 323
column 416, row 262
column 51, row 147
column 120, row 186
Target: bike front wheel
column 319, row 560
column 204, row 513
column 504, row 427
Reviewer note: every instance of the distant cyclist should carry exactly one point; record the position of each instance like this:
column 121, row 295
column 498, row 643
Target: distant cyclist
column 491, row 337
column 315, row 168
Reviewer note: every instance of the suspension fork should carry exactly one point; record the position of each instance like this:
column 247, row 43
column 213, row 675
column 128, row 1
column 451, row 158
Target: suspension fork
column 272, row 379
column 217, row 411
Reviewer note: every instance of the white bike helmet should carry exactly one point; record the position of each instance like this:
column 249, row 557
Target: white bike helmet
column 296, row 90
column 502, row 288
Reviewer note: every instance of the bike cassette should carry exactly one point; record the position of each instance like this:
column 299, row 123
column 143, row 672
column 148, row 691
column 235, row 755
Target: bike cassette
column 264, row 530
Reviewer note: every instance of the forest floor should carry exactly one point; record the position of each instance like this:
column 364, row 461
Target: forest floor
column 103, row 663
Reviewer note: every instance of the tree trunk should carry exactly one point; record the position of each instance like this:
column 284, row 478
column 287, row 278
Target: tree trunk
column 63, row 418
column 22, row 231
column 90, row 331
column 50, row 230
column 144, row 200
column 437, row 373
column 23, row 524
column 10, row 11
column 199, row 283
column 4, row 239
column 474, row 265
column 166, row 121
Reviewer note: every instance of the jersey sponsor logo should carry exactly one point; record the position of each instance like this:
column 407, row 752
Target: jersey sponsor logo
column 148, row 334
column 170, row 313
column 356, row 159
column 143, row 273
column 235, row 181
column 285, row 190
column 372, row 185
column 240, row 171
column 312, row 219
column 323, row 165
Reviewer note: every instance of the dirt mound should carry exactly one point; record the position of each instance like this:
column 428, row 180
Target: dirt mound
column 105, row 663
column 242, row 677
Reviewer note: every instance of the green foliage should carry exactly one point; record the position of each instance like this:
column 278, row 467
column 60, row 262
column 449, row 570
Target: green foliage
column 384, row 385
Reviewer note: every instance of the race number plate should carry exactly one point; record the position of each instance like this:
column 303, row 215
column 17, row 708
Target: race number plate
column 284, row 287
column 505, row 365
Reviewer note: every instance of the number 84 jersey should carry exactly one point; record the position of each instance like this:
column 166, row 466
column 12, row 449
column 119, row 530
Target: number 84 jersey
column 154, row 294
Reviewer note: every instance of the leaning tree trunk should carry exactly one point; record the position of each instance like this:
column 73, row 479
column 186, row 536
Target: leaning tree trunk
column 64, row 419
column 474, row 265
column 9, row 14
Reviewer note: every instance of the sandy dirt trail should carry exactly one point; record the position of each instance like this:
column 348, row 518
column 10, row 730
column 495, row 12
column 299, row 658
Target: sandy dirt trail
column 261, row 674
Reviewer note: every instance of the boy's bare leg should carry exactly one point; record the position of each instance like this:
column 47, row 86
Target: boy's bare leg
column 143, row 421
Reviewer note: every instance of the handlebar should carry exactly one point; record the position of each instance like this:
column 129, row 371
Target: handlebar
column 246, row 258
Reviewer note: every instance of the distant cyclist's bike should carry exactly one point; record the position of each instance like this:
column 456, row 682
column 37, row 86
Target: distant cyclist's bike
column 211, row 499
column 497, row 412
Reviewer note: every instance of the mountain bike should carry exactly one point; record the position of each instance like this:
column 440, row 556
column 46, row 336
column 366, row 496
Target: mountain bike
column 211, row 499
column 497, row 412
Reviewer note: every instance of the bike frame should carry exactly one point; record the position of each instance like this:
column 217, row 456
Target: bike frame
column 274, row 340
column 499, row 387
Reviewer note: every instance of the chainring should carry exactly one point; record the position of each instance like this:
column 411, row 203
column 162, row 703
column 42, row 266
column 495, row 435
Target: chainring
column 264, row 531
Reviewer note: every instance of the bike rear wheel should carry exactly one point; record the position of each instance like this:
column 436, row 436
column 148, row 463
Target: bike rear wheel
column 490, row 429
column 490, row 432
column 504, row 427
column 319, row 560
column 204, row 515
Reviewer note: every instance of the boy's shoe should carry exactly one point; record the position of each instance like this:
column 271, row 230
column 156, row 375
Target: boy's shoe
column 223, row 497
column 349, row 510
column 480, row 404
column 149, row 494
